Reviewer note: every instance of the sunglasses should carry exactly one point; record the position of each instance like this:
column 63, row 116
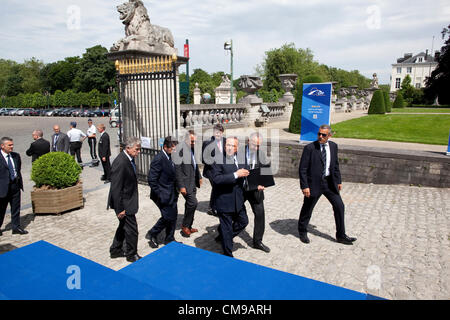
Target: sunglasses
column 323, row 134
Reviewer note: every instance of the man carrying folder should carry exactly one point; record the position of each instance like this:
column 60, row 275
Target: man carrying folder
column 255, row 159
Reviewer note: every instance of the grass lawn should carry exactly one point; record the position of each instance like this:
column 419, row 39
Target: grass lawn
column 426, row 128
column 420, row 110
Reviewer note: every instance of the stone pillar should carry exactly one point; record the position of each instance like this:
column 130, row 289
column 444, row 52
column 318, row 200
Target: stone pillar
column 197, row 94
column 250, row 85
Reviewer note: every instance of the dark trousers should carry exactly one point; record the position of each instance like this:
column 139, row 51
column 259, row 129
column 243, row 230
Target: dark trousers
column 231, row 224
column 189, row 208
column 106, row 168
column 257, row 204
column 128, row 231
column 75, row 149
column 92, row 143
column 309, row 204
column 13, row 198
column 168, row 221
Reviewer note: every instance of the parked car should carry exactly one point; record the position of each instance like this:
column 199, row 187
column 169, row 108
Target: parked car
column 5, row 111
column 27, row 111
column 50, row 112
column 20, row 112
column 77, row 112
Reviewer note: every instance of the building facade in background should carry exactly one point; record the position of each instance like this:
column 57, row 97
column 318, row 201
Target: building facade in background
column 418, row 67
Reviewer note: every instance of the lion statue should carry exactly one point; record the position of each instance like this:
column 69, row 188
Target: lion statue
column 140, row 33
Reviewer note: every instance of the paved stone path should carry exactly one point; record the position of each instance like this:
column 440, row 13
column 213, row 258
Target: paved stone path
column 403, row 232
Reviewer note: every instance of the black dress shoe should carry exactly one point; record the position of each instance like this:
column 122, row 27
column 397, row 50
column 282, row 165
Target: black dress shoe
column 153, row 242
column 134, row 258
column 19, row 231
column 304, row 238
column 117, row 254
column 261, row 246
column 345, row 240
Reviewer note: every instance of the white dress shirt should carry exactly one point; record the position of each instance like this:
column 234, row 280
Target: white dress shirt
column 5, row 155
column 75, row 135
column 91, row 130
column 328, row 162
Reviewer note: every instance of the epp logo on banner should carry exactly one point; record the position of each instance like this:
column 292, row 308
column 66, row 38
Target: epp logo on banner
column 316, row 92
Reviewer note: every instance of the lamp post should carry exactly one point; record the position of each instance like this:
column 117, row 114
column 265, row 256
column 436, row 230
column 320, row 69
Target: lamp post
column 229, row 46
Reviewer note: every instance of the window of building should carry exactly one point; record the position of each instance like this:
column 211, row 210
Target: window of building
column 420, row 59
column 409, row 70
column 418, row 85
column 399, row 70
column 397, row 83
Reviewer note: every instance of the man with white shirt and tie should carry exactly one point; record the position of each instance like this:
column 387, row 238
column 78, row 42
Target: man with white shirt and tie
column 60, row 141
column 228, row 178
column 10, row 184
column 188, row 180
column 92, row 139
column 320, row 175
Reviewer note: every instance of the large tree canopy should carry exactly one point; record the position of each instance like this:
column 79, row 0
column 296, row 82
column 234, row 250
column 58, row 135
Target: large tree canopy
column 438, row 83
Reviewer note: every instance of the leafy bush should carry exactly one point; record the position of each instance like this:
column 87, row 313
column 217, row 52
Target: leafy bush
column 55, row 169
column 377, row 103
column 398, row 102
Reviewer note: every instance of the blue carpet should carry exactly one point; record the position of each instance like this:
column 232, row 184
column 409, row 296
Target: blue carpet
column 39, row 271
column 196, row 274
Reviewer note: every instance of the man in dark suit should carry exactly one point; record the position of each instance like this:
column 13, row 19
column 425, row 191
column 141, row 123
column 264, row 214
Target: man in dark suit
column 161, row 179
column 10, row 184
column 255, row 158
column 39, row 147
column 60, row 140
column 228, row 178
column 213, row 150
column 188, row 179
column 124, row 199
column 319, row 174
column 104, row 152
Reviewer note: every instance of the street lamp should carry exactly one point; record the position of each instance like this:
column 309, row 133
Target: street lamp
column 229, row 46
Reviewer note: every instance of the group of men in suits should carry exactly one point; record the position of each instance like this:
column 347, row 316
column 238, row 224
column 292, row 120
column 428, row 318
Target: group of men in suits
column 318, row 171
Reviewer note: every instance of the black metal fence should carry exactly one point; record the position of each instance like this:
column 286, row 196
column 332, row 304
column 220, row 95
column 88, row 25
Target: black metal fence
column 148, row 107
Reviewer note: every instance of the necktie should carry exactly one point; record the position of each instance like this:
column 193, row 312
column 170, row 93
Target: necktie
column 324, row 159
column 12, row 174
column 54, row 143
column 194, row 163
column 133, row 164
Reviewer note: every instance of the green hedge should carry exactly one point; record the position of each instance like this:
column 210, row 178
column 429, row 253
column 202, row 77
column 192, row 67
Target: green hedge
column 377, row 103
column 399, row 102
column 55, row 169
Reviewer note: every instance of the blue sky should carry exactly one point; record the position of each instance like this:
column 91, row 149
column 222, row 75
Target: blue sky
column 353, row 35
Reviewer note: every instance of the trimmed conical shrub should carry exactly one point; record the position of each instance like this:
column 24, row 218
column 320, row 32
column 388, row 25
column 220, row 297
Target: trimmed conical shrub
column 296, row 115
column 387, row 101
column 377, row 103
column 399, row 102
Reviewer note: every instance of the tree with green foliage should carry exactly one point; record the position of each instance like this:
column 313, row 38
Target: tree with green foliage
column 95, row 71
column 387, row 101
column 296, row 115
column 377, row 103
column 398, row 102
column 437, row 85
column 60, row 75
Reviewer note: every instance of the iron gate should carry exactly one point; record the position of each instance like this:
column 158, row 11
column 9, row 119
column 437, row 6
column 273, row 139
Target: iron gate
column 148, row 107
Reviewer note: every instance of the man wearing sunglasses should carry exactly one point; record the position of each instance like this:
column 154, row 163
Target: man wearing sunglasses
column 320, row 175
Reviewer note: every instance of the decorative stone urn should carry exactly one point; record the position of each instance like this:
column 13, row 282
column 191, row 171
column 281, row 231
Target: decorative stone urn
column 250, row 84
column 288, row 83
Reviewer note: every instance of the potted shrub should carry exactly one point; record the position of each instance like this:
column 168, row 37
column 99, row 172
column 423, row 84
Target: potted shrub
column 57, row 183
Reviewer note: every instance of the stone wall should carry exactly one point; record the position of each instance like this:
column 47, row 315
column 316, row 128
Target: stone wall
column 376, row 165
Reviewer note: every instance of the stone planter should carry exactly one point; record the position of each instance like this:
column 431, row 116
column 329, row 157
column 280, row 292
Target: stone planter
column 57, row 201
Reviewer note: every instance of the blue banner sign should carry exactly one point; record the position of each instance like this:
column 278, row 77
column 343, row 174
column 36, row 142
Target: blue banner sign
column 316, row 103
column 448, row 149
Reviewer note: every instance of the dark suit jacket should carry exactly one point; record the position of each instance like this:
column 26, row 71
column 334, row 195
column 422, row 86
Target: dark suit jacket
column 123, row 193
column 311, row 168
column 256, row 196
column 104, row 149
column 228, row 195
column 63, row 143
column 38, row 148
column 161, row 179
column 211, row 153
column 4, row 173
column 186, row 176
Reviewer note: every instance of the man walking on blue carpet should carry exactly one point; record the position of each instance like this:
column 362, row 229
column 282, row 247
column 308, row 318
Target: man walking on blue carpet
column 124, row 199
column 162, row 181
column 229, row 178
column 320, row 175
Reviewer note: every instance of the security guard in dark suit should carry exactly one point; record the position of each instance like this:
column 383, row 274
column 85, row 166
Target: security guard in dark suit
column 39, row 147
column 10, row 184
